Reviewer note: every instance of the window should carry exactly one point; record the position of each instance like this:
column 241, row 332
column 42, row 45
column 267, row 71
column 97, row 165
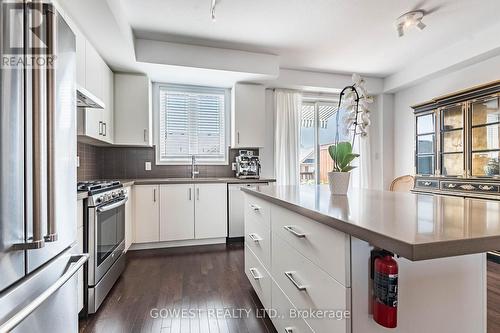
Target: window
column 192, row 122
column 317, row 133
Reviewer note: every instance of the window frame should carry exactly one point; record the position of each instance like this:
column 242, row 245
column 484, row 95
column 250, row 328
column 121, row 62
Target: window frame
column 156, row 128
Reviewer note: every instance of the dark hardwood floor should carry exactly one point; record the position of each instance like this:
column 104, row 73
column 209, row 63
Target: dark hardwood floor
column 204, row 277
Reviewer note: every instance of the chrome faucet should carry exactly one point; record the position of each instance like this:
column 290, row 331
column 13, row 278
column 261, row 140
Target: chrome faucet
column 193, row 166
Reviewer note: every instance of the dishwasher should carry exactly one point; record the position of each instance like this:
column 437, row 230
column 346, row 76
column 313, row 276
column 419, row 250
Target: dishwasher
column 236, row 216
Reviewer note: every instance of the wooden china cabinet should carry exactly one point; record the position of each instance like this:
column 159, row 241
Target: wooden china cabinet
column 457, row 146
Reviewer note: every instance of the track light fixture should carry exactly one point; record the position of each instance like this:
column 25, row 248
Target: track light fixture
column 212, row 10
column 410, row 19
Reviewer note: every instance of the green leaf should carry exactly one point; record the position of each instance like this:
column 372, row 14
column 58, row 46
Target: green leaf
column 342, row 156
column 348, row 168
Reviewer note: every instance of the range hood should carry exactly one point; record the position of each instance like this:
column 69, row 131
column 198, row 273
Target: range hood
column 85, row 99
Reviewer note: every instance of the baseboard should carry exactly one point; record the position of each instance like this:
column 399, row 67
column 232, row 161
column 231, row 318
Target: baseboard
column 189, row 242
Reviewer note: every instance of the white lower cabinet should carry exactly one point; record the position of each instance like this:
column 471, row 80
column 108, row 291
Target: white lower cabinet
column 129, row 218
column 176, row 212
column 305, row 285
column 210, row 211
column 147, row 214
column 79, row 249
column 286, row 317
column 259, row 277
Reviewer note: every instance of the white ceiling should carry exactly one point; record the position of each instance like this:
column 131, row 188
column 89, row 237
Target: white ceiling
column 320, row 35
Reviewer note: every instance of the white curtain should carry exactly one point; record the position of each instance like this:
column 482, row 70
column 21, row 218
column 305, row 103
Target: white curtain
column 361, row 176
column 287, row 137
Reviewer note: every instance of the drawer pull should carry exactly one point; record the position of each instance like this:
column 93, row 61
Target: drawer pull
column 255, row 274
column 288, row 330
column 485, row 187
column 427, row 183
column 256, row 238
column 255, row 207
column 300, row 287
column 294, row 232
column 451, row 185
column 467, row 187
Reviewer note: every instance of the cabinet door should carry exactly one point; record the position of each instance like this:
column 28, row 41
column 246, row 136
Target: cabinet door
column 176, row 212
column 210, row 211
column 133, row 118
column 93, row 123
column 248, row 116
column 93, row 71
column 107, row 113
column 147, row 214
column 80, row 58
column 129, row 218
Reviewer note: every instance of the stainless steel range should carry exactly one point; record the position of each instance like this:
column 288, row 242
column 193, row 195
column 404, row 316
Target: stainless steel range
column 104, row 237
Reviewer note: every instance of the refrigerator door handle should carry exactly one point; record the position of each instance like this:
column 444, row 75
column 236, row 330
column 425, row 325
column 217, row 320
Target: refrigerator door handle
column 77, row 262
column 37, row 143
column 51, row 21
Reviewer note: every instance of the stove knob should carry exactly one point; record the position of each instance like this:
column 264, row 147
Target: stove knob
column 98, row 200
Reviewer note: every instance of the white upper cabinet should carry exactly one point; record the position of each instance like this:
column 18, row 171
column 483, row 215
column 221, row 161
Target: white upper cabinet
column 108, row 99
column 94, row 76
column 248, row 116
column 80, row 58
column 133, row 120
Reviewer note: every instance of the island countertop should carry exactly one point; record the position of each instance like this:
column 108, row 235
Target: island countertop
column 414, row 226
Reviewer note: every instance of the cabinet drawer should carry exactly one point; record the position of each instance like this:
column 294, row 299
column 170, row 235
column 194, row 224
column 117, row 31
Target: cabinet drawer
column 427, row 183
column 284, row 321
column 308, row 287
column 258, row 277
column 258, row 239
column 257, row 210
column 470, row 187
column 326, row 247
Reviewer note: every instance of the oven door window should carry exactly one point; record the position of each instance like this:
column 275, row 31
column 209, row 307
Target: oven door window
column 110, row 232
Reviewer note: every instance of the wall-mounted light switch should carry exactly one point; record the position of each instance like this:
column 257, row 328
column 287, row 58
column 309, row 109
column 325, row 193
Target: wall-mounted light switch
column 147, row 166
column 233, row 166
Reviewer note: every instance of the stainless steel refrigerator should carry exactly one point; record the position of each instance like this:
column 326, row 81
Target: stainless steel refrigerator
column 38, row 287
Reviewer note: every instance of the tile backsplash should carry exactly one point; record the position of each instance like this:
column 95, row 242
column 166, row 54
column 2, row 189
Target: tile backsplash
column 128, row 163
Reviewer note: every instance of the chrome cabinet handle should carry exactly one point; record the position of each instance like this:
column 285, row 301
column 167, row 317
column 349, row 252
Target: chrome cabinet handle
column 145, row 135
column 73, row 268
column 288, row 330
column 255, row 207
column 255, row 273
column 238, row 135
column 198, row 193
column 154, row 195
column 297, row 285
column 291, row 229
column 256, row 238
column 190, row 194
column 104, row 129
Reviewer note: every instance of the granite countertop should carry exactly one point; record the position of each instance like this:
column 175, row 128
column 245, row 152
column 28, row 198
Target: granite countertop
column 151, row 181
column 414, row 226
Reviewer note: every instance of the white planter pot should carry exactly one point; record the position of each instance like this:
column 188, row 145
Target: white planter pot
column 339, row 182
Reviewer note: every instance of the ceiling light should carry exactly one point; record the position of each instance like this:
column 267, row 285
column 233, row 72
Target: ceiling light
column 410, row 19
column 212, row 9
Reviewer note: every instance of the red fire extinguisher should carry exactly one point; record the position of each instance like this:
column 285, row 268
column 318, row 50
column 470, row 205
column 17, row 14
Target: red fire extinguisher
column 385, row 290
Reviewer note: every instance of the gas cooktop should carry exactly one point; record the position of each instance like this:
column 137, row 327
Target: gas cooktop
column 96, row 186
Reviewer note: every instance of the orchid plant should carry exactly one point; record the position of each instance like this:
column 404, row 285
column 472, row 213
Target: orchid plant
column 355, row 121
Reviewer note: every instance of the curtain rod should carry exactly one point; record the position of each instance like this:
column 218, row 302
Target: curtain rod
column 312, row 94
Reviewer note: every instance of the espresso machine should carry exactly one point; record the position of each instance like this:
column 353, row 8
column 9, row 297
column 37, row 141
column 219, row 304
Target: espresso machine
column 247, row 165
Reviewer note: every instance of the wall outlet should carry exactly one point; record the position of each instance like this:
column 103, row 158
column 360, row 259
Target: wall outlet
column 77, row 161
column 147, row 166
column 233, row 166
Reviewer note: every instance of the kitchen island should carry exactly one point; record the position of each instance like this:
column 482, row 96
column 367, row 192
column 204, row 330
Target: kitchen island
column 307, row 251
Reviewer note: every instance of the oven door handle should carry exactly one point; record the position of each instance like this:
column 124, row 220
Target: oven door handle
column 112, row 206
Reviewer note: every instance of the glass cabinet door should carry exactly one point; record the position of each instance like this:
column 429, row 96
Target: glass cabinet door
column 452, row 140
column 425, row 158
column 485, row 137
